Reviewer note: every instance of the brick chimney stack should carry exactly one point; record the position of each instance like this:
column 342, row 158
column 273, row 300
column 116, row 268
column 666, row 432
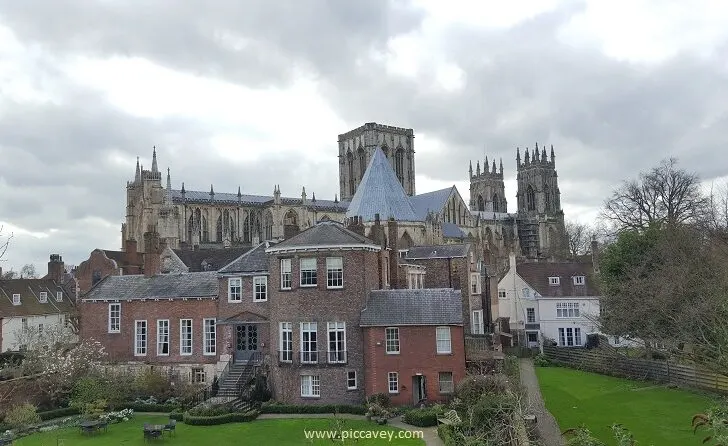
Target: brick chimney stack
column 152, row 261
column 56, row 268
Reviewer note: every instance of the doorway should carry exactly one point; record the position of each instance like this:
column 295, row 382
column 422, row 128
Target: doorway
column 419, row 391
column 246, row 342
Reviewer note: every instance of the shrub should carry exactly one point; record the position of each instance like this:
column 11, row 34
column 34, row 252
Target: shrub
column 236, row 417
column 145, row 407
column 324, row 408
column 542, row 361
column 381, row 399
column 421, row 417
column 154, row 383
column 22, row 416
column 95, row 409
column 57, row 413
column 260, row 391
column 210, row 411
column 470, row 389
column 179, row 416
column 446, row 433
column 87, row 390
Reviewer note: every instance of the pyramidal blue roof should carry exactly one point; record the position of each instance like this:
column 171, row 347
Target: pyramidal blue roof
column 381, row 193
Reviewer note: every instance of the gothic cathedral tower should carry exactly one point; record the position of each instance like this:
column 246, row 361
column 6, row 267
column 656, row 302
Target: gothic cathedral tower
column 541, row 220
column 487, row 190
column 356, row 149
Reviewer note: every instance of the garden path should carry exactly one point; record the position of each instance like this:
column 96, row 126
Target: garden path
column 546, row 425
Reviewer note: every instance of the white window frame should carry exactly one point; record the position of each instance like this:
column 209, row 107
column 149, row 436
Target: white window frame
column 312, row 280
column 477, row 326
column 349, row 379
column 59, row 296
column 393, row 382
column 43, row 297
column 285, row 346
column 163, row 331
column 449, row 385
column 110, row 324
column 579, row 280
column 474, row 283
column 338, row 329
column 286, row 274
column 186, row 339
column 526, row 292
column 198, row 372
column 16, row 299
column 235, row 289
column 310, row 386
column 530, row 311
column 141, row 339
column 567, row 310
column 392, row 340
column 309, row 355
column 444, row 342
column 554, row 280
column 260, row 295
column 334, row 273
column 209, row 337
column 502, row 294
column 570, row 337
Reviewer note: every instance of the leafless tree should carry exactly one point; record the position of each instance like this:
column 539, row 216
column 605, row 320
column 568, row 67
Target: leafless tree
column 716, row 222
column 578, row 237
column 4, row 242
column 664, row 195
column 28, row 271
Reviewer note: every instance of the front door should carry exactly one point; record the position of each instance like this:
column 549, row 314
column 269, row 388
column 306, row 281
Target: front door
column 246, row 342
column 418, row 389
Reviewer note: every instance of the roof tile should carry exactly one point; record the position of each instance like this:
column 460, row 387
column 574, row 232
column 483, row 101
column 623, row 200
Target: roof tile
column 426, row 306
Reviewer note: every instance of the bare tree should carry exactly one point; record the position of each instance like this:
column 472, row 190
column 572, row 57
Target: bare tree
column 664, row 195
column 4, row 242
column 716, row 222
column 578, row 237
column 28, row 272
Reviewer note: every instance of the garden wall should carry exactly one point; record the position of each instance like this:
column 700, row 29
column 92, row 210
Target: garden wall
column 611, row 363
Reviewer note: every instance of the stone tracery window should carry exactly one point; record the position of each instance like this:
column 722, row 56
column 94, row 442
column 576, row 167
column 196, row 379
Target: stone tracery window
column 530, row 199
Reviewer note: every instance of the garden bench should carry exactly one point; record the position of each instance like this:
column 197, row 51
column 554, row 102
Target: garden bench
column 450, row 417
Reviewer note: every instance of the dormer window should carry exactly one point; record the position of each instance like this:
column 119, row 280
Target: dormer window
column 43, row 297
column 16, row 299
column 578, row 280
column 59, row 296
column 554, row 281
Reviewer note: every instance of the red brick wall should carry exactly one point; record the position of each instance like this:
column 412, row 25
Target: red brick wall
column 97, row 261
column 120, row 346
column 226, row 309
column 321, row 305
column 418, row 354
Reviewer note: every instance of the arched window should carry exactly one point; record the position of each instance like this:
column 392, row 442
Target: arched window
column 190, row 227
column 205, row 230
column 246, row 230
column 218, row 229
column 268, row 225
column 481, row 205
column 362, row 162
column 399, row 165
column 547, row 199
column 496, row 203
column 350, row 165
column 530, row 199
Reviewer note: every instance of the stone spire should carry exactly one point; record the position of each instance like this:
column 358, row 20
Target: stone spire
column 154, row 161
column 501, row 166
column 518, row 157
column 168, row 196
column 553, row 157
column 240, row 195
column 493, row 169
column 212, row 193
column 138, row 175
column 471, row 169
column 477, row 170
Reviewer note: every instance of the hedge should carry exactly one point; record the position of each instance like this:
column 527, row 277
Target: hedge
column 325, row 408
column 446, row 433
column 58, row 413
column 421, row 417
column 179, row 416
column 143, row 407
column 237, row 417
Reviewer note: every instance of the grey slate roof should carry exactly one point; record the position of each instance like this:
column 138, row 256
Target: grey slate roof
column 452, row 230
column 324, row 233
column 209, row 259
column 437, row 251
column 161, row 286
column 425, row 306
column 195, row 196
column 252, row 261
column 381, row 193
column 430, row 202
column 30, row 305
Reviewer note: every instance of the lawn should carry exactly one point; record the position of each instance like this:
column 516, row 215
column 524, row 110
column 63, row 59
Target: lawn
column 259, row 432
column 656, row 415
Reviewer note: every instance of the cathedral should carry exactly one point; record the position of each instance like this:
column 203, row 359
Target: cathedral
column 376, row 182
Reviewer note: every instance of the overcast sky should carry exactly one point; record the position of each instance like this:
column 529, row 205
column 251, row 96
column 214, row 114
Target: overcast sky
column 254, row 93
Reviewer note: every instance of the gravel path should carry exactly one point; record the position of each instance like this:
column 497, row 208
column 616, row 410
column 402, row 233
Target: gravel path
column 546, row 425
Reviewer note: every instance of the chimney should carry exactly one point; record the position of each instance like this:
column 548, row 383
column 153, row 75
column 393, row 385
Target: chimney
column 393, row 238
column 152, row 259
column 131, row 255
column 55, row 268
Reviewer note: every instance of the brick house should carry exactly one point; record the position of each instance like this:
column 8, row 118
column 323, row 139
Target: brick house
column 414, row 344
column 319, row 283
column 103, row 262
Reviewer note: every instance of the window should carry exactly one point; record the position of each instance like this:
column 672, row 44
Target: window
column 502, row 294
column 447, row 384
column 526, row 292
column 554, row 281
column 235, row 285
column 59, row 296
column 477, row 327
column 16, row 299
column 286, row 280
column 140, row 338
column 185, row 337
column 337, row 342
column 286, row 342
column 443, row 340
column 260, row 289
column 43, row 297
column 162, row 337
column 532, row 337
column 308, row 272
column 334, row 272
column 475, row 283
column 416, row 280
column 567, row 309
column 392, row 340
column 40, row 329
column 351, row 380
column 24, row 324
column 209, row 331
column 530, row 315
column 114, row 318
column 309, row 347
column 578, row 280
column 198, row 375
column 393, row 378
column 570, row 336
column 310, row 385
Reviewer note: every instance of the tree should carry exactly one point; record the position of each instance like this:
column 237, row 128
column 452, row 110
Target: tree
column 28, row 272
column 578, row 237
column 664, row 195
column 4, row 242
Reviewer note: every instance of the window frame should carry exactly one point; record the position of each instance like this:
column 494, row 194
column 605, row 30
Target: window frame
column 475, row 283
column 287, row 328
column 43, row 297
column 502, row 293
column 185, row 340
column 440, row 382
column 530, row 315
column 160, row 342
column 477, row 316
column 568, row 310
column 209, row 338
column 395, row 339
column 349, row 379
column 338, row 328
column 256, row 292
column 579, row 280
column 286, row 276
column 312, row 344
column 59, row 296
column 394, row 381
column 312, row 278
column 140, row 349
column 109, row 324
column 554, row 280
column 16, row 299
column 334, row 273
column 232, row 287
column 313, row 386
column 439, row 339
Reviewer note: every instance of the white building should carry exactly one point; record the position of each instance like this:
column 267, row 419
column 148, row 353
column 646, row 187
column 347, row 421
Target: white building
column 556, row 301
column 31, row 304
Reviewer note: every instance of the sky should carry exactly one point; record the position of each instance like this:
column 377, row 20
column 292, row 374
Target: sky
column 252, row 93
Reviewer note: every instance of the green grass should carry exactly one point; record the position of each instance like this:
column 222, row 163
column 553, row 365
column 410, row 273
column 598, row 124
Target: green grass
column 654, row 414
column 259, row 432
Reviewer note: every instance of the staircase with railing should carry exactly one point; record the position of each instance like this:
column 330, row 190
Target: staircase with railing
column 232, row 386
